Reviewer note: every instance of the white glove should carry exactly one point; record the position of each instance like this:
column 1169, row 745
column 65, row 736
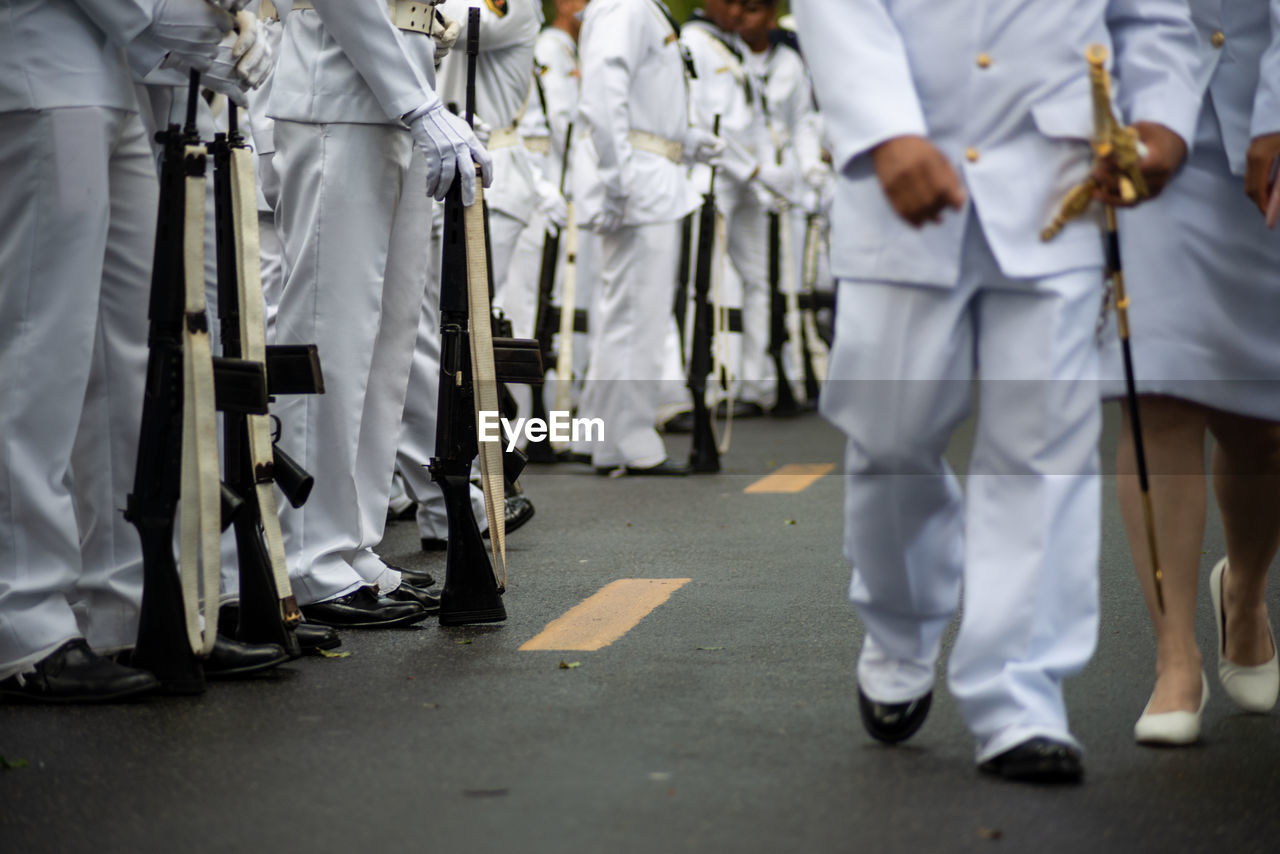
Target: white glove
column 451, row 149
column 702, row 146
column 190, row 30
column 231, row 6
column 243, row 61
column 445, row 32
column 482, row 130
column 550, row 203
column 779, row 181
column 611, row 212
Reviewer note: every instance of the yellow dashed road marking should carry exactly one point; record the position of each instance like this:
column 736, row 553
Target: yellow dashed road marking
column 793, row 478
column 605, row 616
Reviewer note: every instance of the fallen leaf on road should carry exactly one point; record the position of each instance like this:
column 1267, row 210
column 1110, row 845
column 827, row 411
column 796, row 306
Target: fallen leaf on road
column 789, row 522
column 327, row 654
column 11, row 764
column 711, row 648
column 989, row 833
column 463, row 641
column 569, row 665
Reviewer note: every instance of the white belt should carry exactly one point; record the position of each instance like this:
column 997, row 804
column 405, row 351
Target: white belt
column 412, row 15
column 654, row 144
column 507, row 137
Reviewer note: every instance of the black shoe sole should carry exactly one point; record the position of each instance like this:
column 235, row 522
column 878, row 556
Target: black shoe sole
column 378, row 624
column 894, row 732
column 241, row 672
column 117, row 697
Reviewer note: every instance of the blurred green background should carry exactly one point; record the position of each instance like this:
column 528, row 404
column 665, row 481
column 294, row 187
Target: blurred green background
column 679, row 8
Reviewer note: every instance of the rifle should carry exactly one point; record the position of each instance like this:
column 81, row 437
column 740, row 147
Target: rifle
column 547, row 323
column 704, row 456
column 179, row 374
column 472, row 593
column 786, row 403
column 252, row 461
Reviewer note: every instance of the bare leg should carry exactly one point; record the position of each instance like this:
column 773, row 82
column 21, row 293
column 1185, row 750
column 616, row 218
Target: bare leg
column 1173, row 433
column 1246, row 480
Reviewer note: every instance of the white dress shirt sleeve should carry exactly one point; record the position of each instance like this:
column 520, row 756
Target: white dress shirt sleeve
column 861, row 74
column 1156, row 63
column 1266, row 102
column 363, row 29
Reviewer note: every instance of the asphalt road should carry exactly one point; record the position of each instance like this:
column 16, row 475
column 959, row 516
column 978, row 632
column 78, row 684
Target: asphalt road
column 725, row 720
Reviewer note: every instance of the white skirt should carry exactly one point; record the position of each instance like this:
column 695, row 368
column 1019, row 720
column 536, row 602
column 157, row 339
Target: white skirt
column 1203, row 276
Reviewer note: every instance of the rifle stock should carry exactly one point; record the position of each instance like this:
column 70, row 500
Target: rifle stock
column 162, row 646
column 704, row 456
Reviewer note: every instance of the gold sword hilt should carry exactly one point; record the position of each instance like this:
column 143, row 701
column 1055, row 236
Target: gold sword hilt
column 1111, row 141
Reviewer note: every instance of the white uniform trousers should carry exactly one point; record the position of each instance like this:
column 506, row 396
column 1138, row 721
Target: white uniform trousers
column 418, row 427
column 747, row 228
column 355, row 222
column 623, row 386
column 78, row 209
column 1023, row 542
column 517, row 255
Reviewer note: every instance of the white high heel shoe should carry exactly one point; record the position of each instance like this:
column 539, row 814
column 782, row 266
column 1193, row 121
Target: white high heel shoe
column 1172, row 728
column 1253, row 689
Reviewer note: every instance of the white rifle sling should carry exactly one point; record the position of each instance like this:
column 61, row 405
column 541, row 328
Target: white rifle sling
column 817, row 347
column 721, row 363
column 199, row 524
column 568, row 301
column 790, row 289
column 253, row 346
column 484, row 381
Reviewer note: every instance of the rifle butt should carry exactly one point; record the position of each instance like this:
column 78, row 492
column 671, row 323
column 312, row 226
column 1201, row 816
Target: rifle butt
column 162, row 646
column 471, row 593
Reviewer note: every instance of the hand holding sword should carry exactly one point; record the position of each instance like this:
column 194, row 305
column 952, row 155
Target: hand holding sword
column 1131, row 164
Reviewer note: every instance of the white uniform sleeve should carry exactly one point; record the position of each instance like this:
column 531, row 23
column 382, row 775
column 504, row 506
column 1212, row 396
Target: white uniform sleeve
column 1156, row 63
column 609, row 59
column 363, row 29
column 861, row 74
column 1266, row 103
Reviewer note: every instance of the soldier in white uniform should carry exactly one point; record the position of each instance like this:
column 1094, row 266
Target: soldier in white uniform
column 1203, row 275
column 556, row 55
column 984, row 109
column 361, row 140
column 507, row 31
column 79, row 210
column 630, row 186
column 726, row 88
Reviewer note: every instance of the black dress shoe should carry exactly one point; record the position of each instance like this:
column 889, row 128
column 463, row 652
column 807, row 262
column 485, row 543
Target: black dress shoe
column 681, row 422
column 666, row 468
column 312, row 638
column 434, row 544
column 364, row 609
column 1037, row 760
column 420, row 577
column 516, row 509
column 412, row 593
column 73, row 673
column 231, row 659
column 893, row 722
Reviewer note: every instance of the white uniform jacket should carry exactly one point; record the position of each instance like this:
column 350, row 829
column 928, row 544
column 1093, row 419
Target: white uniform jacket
column 87, row 68
column 1001, row 87
column 788, row 98
column 557, row 56
column 633, row 78
column 726, row 89
column 503, row 85
column 1245, row 34
column 344, row 61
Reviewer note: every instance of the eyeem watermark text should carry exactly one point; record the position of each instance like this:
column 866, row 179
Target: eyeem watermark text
column 560, row 426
